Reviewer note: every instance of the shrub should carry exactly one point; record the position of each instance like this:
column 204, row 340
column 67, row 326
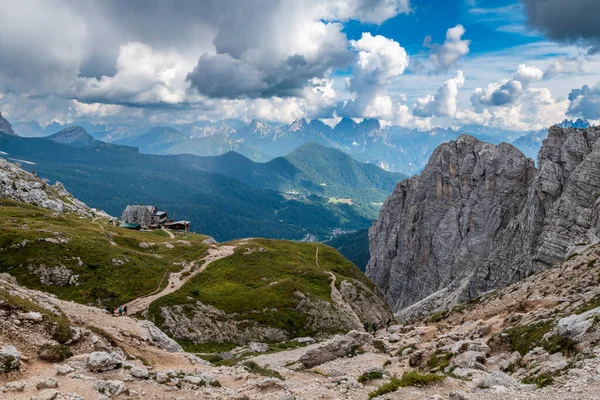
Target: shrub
column 439, row 360
column 370, row 376
column 54, row 352
column 264, row 371
column 411, row 378
column 380, row 346
column 62, row 332
column 542, row 380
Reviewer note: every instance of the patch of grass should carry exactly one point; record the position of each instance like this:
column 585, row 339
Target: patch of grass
column 289, row 345
column 380, row 346
column 370, row 376
column 54, row 352
column 437, row 316
column 207, row 347
column 439, row 360
column 88, row 254
column 541, row 380
column 411, row 378
column 260, row 286
column 61, row 329
column 264, row 371
column 592, row 303
column 557, row 343
column 526, row 337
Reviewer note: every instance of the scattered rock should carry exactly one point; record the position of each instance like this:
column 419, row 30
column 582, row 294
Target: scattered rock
column 49, row 383
column 458, row 395
column 100, row 361
column 306, row 340
column 110, row 388
column 338, row 346
column 139, row 372
column 10, row 359
column 48, row 394
column 14, row 387
column 64, row 369
column 31, row 316
column 256, row 347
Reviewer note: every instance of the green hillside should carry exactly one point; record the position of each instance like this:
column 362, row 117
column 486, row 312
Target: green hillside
column 258, row 286
column 83, row 260
column 311, row 169
column 110, row 177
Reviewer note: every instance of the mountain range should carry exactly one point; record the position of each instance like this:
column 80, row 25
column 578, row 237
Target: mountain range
column 228, row 196
column 394, row 149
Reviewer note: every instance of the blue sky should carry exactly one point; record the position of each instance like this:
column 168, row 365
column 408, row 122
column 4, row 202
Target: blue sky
column 497, row 63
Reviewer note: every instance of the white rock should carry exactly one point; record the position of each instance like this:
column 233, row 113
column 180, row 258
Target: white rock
column 49, row 383
column 64, row 369
column 139, row 372
column 458, row 395
column 48, row 394
column 31, row 316
column 306, row 340
column 256, row 347
column 100, row 361
column 110, row 388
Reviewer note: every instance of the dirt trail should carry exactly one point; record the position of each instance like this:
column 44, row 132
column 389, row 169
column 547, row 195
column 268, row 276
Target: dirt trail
column 176, row 281
column 168, row 232
column 336, row 296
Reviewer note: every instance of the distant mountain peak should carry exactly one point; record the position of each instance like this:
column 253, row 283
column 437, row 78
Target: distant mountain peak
column 6, row 127
column 259, row 127
column 74, row 136
column 579, row 123
column 298, row 125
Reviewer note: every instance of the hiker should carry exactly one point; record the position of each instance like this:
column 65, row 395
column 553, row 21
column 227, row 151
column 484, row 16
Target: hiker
column 120, row 311
column 125, row 310
column 366, row 326
column 108, row 310
column 374, row 326
column 388, row 323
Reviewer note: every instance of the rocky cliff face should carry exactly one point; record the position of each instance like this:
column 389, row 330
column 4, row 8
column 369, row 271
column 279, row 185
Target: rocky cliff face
column 481, row 216
column 6, row 127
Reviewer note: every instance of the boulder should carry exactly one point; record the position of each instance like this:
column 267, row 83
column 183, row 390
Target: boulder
column 256, row 347
column 498, row 379
column 110, row 388
column 338, row 346
column 458, row 395
column 139, row 372
column 18, row 386
column 48, row 394
column 575, row 326
column 100, row 361
column 159, row 338
column 63, row 369
column 10, row 359
column 31, row 316
column 306, row 340
column 394, row 337
column 49, row 383
column 469, row 359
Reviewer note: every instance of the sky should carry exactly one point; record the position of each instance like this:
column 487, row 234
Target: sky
column 511, row 64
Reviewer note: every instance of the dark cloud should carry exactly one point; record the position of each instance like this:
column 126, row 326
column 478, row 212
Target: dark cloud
column 585, row 102
column 570, row 21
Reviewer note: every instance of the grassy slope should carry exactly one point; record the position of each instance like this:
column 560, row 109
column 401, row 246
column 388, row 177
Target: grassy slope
column 89, row 242
column 242, row 283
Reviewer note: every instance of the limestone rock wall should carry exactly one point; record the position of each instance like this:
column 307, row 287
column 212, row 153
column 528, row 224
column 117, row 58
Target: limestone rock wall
column 481, row 216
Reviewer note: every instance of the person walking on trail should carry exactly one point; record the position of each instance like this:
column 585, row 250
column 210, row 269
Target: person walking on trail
column 374, row 326
column 125, row 310
column 366, row 325
column 120, row 311
column 388, row 323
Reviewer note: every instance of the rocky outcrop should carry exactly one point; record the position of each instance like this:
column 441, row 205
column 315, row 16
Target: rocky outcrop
column 6, row 127
column 481, row 216
column 20, row 185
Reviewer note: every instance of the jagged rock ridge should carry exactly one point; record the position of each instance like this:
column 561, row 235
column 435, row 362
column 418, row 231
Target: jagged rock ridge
column 481, row 216
column 6, row 127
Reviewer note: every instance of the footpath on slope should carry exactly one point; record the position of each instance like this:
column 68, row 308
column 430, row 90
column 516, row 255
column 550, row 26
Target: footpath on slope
column 178, row 279
column 336, row 296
